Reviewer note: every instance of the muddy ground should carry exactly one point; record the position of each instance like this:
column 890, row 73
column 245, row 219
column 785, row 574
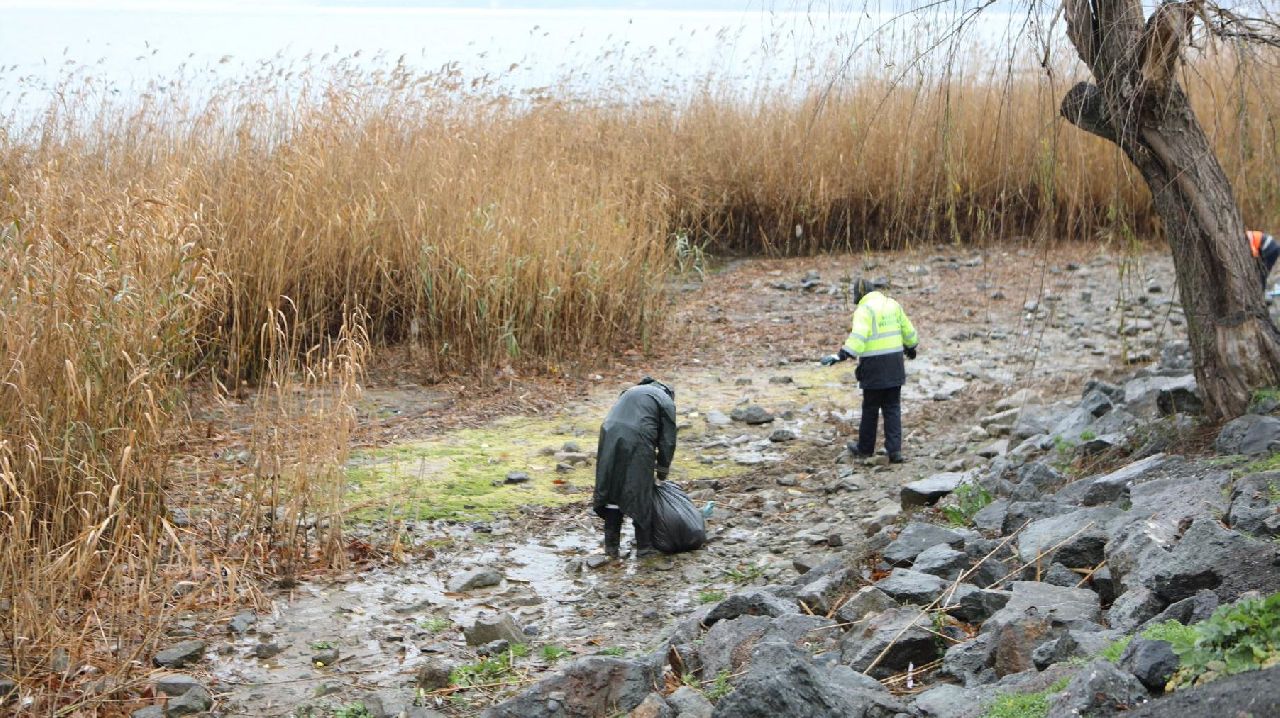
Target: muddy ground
column 434, row 461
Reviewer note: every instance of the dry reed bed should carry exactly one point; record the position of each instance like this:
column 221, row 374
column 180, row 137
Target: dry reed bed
column 144, row 246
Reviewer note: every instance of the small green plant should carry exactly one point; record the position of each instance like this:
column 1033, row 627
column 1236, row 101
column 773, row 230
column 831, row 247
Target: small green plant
column 1088, row 435
column 970, row 499
column 321, row 645
column 484, row 671
column 1273, row 492
column 744, row 575
column 614, row 651
column 710, row 596
column 553, row 653
column 353, row 710
column 434, row 625
column 720, row 687
column 690, row 680
column 1024, row 705
column 1265, row 394
column 1115, row 649
column 1235, row 639
column 1257, row 466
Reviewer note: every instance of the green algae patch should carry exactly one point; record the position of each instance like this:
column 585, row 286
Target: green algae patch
column 462, row 475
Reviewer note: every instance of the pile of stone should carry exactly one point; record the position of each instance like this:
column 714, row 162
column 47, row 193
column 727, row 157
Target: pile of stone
column 1055, row 569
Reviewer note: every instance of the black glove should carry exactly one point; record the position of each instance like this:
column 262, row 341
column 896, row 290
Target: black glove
column 910, row 352
column 830, row 359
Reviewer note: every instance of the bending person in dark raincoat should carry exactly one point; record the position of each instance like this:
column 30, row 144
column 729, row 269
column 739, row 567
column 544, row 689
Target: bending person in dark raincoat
column 637, row 443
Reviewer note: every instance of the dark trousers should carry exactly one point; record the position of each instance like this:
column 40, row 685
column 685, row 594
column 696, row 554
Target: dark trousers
column 613, row 530
column 874, row 403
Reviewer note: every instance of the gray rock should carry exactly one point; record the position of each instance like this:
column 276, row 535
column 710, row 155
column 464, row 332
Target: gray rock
column 1112, row 486
column 1254, row 500
column 1097, row 403
column 653, row 706
column 1151, row 662
column 493, row 648
column 717, row 418
column 926, row 492
column 148, row 712
column 1104, row 585
column 690, row 703
column 1069, row 607
column 1133, row 608
column 752, row 414
column 1019, row 513
column 1000, row 423
column 1189, row 610
column 489, row 627
column 1071, row 426
column 433, row 674
column 907, row 586
column 595, row 685
column 946, row 701
column 751, row 602
column 1178, row 498
column 782, row 435
column 991, row 517
column 242, row 622
column 785, row 681
column 179, row 655
column 970, row 662
column 1250, row 435
column 1136, row 549
column 174, row 684
column 1099, row 689
column 867, row 601
column 475, row 578
column 822, row 594
column 1255, row 693
column 979, row 605
column 915, row 538
column 1141, row 395
column 1033, row 420
column 993, row 562
column 267, row 649
column 1072, row 645
column 1059, row 575
column 195, row 701
column 728, row 643
column 942, row 561
column 1080, row 537
column 1180, row 398
column 325, row 656
column 1210, row 556
column 904, row 632
column 1118, row 422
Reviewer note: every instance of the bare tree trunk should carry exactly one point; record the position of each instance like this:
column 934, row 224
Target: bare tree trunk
column 1138, row 104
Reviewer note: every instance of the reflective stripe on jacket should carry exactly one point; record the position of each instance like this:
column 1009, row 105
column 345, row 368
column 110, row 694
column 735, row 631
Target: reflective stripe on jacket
column 880, row 332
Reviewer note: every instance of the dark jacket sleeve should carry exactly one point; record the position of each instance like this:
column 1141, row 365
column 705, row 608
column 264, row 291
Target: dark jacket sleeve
column 666, row 437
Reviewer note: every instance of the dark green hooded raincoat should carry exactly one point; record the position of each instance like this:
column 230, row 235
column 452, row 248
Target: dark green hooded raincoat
column 637, row 439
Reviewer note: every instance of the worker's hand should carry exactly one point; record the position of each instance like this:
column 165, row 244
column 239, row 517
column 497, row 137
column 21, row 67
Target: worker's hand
column 910, row 352
column 830, row 359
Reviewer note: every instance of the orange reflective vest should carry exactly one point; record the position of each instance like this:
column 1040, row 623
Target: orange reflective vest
column 1255, row 241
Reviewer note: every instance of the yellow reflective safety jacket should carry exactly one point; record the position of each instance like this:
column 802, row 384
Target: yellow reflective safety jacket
column 880, row 332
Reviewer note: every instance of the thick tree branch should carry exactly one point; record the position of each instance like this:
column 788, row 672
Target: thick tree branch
column 1082, row 29
column 1084, row 108
column 1166, row 33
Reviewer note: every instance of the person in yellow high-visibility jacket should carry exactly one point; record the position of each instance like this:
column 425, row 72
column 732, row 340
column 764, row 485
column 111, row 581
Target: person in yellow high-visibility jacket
column 881, row 336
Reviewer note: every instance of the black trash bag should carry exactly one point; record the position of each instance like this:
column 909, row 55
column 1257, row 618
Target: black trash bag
column 678, row 525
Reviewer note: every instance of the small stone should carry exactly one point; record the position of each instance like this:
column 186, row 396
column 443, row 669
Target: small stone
column 475, row 578
column 835, row 540
column 516, row 477
column 148, row 712
column 434, row 674
column 493, row 648
column 782, row 435
column 325, row 657
column 267, row 650
column 174, row 684
column 752, row 414
column 194, row 701
column 491, row 627
column 781, row 380
column 1151, row 662
column 179, row 655
column 242, row 622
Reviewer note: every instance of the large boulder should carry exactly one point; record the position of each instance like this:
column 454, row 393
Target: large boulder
column 728, row 644
column 1250, row 434
column 1113, row 486
column 1151, row 662
column 867, row 601
column 1067, row 607
column 1076, row 540
column 784, row 681
column 591, row 686
column 942, row 561
column 1256, row 693
column 1133, row 608
column 1142, row 395
column 1210, row 556
column 490, row 627
column 825, row 592
column 906, row 633
column 970, row 662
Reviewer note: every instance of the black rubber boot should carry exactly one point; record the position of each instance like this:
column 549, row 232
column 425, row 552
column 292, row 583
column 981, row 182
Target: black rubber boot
column 644, row 542
column 612, row 533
